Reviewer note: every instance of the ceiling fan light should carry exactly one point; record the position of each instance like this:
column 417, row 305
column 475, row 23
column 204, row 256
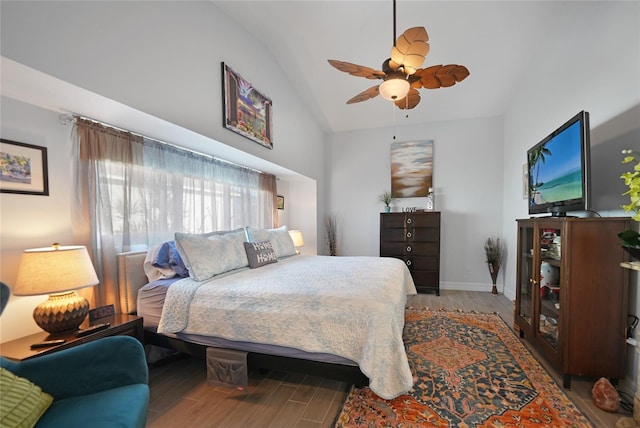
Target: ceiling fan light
column 395, row 88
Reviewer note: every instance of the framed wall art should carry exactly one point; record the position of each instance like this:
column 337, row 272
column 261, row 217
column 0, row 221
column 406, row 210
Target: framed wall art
column 246, row 111
column 525, row 181
column 23, row 168
column 280, row 202
column 411, row 169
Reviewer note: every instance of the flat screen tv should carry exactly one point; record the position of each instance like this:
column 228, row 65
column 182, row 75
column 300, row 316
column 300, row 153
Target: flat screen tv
column 558, row 168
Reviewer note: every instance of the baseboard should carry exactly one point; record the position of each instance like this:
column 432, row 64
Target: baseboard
column 480, row 287
column 467, row 286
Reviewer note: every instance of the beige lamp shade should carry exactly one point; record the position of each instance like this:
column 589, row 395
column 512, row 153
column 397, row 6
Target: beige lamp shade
column 296, row 236
column 54, row 270
column 57, row 271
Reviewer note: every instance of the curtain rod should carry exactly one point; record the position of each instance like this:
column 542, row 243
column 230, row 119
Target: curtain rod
column 65, row 119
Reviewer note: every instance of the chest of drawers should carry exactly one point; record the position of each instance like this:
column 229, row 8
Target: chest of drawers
column 415, row 239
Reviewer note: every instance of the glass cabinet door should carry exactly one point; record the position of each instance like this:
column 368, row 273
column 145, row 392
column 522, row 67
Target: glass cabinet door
column 525, row 281
column 549, row 284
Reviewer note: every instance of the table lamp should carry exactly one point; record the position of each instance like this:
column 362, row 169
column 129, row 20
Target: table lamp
column 298, row 241
column 57, row 271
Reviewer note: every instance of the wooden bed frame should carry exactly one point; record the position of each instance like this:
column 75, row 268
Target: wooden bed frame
column 131, row 278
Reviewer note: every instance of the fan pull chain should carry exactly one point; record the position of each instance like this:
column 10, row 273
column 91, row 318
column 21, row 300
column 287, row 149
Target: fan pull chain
column 393, row 106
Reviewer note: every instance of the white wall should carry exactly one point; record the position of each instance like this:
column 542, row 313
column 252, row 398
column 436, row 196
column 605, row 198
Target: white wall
column 164, row 59
column 467, row 179
column 300, row 211
column 29, row 221
column 595, row 67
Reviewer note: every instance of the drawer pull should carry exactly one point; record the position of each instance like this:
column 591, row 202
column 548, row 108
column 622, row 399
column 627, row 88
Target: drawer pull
column 408, row 262
column 409, row 248
column 408, row 234
column 409, row 221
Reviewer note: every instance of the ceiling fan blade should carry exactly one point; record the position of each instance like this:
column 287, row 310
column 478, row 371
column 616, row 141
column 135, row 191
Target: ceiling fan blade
column 372, row 92
column 460, row 73
column 410, row 49
column 410, row 101
column 446, row 76
column 439, row 76
column 357, row 70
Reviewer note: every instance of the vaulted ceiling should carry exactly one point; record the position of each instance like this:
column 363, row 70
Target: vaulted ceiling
column 496, row 40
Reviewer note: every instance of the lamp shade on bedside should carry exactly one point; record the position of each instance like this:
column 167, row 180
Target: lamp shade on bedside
column 298, row 241
column 57, row 271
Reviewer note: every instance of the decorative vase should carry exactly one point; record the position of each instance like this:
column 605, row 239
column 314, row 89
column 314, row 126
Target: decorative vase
column 494, row 268
column 387, row 209
column 430, row 205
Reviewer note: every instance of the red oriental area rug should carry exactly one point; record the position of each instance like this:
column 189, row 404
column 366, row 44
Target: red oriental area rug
column 470, row 370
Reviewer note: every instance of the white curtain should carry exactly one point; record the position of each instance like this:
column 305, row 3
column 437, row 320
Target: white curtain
column 187, row 192
column 135, row 192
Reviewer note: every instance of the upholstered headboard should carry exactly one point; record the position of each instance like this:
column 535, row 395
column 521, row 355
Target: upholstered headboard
column 131, row 278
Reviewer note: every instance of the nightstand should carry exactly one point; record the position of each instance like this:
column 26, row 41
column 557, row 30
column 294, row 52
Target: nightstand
column 20, row 349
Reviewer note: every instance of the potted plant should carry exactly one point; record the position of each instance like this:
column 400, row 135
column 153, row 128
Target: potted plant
column 386, row 198
column 493, row 253
column 630, row 239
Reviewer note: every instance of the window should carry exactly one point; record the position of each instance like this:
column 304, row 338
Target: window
column 135, row 192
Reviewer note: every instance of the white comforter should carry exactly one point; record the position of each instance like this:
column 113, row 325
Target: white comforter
column 348, row 306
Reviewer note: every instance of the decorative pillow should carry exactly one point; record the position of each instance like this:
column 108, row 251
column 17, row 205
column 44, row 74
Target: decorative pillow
column 169, row 258
column 22, row 403
column 213, row 254
column 154, row 273
column 280, row 239
column 260, row 253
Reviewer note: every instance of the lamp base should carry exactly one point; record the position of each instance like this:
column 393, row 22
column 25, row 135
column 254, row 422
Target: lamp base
column 62, row 312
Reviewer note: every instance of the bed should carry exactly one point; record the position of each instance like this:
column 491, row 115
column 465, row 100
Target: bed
column 334, row 316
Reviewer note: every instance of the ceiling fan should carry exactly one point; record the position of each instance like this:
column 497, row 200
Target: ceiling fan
column 401, row 74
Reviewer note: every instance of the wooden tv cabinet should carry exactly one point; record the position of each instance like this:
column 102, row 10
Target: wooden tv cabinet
column 571, row 293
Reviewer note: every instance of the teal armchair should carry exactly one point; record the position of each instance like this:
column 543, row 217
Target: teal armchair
column 98, row 384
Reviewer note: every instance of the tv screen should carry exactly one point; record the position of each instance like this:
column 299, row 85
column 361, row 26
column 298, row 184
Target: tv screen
column 558, row 168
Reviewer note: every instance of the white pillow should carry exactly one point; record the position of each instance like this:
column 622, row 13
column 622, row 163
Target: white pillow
column 211, row 254
column 280, row 239
column 240, row 230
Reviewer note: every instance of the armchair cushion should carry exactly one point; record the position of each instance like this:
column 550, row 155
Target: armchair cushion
column 100, row 383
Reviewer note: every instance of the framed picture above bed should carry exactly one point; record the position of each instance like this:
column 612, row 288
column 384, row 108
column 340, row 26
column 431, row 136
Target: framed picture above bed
column 246, row 111
column 23, row 168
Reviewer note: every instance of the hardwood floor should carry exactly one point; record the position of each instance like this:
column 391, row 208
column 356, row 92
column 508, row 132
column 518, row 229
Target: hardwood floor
column 180, row 396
